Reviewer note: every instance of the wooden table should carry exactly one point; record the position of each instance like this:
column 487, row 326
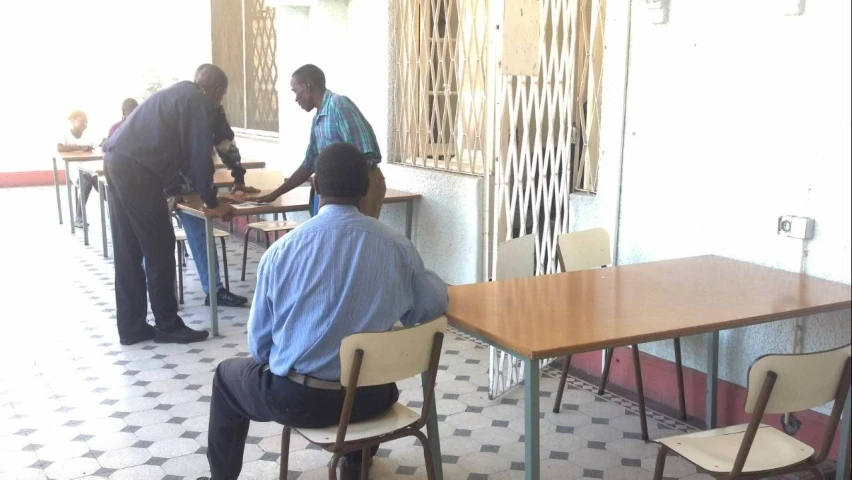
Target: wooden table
column 69, row 158
column 295, row 200
column 556, row 315
column 221, row 179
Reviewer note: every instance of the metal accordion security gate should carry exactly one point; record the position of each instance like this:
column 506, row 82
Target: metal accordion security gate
column 509, row 90
column 546, row 138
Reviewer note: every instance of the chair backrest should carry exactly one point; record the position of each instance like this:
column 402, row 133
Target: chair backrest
column 266, row 179
column 804, row 380
column 516, row 258
column 584, row 250
column 390, row 356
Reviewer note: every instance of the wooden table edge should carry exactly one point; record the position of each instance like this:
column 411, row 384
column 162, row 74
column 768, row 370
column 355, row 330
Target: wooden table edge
column 684, row 332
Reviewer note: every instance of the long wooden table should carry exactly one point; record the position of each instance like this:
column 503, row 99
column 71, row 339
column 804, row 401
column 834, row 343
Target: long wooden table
column 69, row 158
column 221, row 179
column 556, row 315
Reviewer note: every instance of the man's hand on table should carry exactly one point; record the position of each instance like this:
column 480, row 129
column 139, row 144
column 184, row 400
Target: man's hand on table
column 244, row 189
column 224, row 211
column 268, row 198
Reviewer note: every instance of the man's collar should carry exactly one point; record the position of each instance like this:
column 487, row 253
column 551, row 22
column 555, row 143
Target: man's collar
column 336, row 206
column 326, row 104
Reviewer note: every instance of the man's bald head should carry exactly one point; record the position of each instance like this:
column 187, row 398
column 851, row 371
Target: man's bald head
column 213, row 82
column 198, row 71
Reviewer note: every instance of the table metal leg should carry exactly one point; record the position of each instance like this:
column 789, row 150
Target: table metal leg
column 211, row 275
column 712, row 378
column 409, row 218
column 845, row 432
column 83, row 216
column 433, row 434
column 56, row 186
column 532, row 438
column 102, row 201
column 70, row 200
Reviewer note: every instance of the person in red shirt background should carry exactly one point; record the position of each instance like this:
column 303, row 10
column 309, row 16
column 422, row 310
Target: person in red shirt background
column 88, row 182
column 127, row 106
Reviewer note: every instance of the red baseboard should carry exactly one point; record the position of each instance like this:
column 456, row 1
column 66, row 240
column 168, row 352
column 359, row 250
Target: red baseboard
column 29, row 179
column 659, row 382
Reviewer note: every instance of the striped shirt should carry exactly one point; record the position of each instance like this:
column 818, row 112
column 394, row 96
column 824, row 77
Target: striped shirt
column 339, row 120
column 339, row 273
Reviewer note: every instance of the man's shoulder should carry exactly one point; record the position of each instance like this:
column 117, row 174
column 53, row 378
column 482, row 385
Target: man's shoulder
column 183, row 90
column 343, row 223
column 340, row 101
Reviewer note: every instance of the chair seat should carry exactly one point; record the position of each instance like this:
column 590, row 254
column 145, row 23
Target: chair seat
column 180, row 234
column 274, row 225
column 398, row 416
column 716, row 450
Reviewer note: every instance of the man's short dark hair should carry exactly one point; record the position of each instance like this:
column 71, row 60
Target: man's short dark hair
column 341, row 171
column 128, row 105
column 310, row 74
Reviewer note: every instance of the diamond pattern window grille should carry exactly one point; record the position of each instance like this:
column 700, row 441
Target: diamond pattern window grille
column 537, row 118
column 245, row 46
column 261, row 69
column 440, row 88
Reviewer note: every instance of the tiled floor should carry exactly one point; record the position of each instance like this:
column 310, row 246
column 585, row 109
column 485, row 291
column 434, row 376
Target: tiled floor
column 76, row 404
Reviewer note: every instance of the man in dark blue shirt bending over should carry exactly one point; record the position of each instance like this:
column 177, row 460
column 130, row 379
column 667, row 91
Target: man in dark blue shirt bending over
column 169, row 134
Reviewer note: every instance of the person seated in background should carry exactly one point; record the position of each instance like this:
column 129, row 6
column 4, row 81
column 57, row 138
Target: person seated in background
column 337, row 274
column 127, row 107
column 88, row 182
column 196, row 235
column 75, row 140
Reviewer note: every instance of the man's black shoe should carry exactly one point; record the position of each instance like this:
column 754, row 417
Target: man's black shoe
column 351, row 470
column 225, row 298
column 182, row 334
column 147, row 333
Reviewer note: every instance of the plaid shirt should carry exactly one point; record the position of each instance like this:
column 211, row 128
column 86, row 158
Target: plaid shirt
column 339, row 120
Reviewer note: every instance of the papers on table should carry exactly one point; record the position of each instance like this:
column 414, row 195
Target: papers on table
column 244, row 205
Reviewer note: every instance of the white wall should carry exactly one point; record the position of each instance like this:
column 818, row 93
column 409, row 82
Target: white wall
column 736, row 113
column 349, row 41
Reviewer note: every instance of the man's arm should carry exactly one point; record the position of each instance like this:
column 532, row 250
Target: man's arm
column 429, row 292
column 300, row 176
column 223, row 137
column 261, row 318
column 230, row 155
column 196, row 138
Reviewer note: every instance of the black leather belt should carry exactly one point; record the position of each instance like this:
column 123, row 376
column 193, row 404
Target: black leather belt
column 314, row 382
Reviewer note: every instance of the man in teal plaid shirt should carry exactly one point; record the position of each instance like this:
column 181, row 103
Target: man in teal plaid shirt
column 338, row 119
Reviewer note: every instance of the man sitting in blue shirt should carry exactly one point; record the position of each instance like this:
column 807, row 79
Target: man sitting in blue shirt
column 339, row 273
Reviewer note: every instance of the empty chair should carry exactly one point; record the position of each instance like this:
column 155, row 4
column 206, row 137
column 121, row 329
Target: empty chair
column 368, row 359
column 266, row 180
column 589, row 249
column 776, row 384
column 515, row 259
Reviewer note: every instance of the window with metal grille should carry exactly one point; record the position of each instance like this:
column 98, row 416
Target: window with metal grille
column 585, row 142
column 441, row 82
column 244, row 45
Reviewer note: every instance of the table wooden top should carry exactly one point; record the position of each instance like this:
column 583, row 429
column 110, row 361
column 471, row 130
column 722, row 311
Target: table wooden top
column 97, row 168
column 295, row 200
column 555, row 315
column 80, row 156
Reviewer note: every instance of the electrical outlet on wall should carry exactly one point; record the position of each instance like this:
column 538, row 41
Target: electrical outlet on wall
column 796, row 227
